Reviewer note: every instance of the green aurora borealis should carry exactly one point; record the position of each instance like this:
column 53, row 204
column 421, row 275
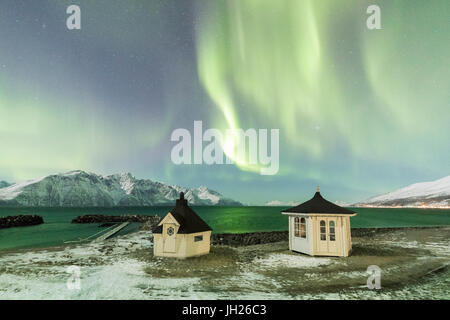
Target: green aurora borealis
column 360, row 111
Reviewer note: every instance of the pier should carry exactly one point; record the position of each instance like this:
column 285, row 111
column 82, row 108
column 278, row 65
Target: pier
column 111, row 232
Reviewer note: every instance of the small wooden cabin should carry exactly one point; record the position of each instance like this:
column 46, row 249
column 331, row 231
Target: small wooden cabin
column 319, row 227
column 181, row 233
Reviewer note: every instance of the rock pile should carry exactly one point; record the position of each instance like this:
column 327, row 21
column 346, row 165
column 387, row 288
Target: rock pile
column 20, row 221
column 98, row 218
column 251, row 238
column 149, row 225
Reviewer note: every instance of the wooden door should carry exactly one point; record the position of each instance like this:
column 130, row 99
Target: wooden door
column 328, row 236
column 332, row 236
column 169, row 238
column 323, row 231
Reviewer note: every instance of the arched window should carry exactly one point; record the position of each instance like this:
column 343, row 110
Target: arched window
column 303, row 227
column 323, row 230
column 332, row 231
column 297, row 227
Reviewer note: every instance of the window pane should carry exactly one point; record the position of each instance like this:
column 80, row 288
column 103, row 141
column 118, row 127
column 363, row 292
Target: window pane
column 323, row 230
column 332, row 231
column 303, row 228
column 198, row 238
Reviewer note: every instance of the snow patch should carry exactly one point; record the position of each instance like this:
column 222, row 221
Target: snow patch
column 291, row 261
column 204, row 194
column 126, row 183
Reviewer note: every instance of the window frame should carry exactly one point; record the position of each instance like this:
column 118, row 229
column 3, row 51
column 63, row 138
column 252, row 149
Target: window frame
column 332, row 230
column 303, row 227
column 297, row 227
column 323, row 234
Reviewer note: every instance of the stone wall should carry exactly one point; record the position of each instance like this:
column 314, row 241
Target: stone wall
column 368, row 232
column 252, row 238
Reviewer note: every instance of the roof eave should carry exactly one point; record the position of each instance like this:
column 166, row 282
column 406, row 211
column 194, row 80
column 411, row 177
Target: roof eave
column 318, row 214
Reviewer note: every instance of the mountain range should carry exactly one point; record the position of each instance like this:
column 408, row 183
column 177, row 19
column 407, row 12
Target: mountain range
column 84, row 189
column 432, row 194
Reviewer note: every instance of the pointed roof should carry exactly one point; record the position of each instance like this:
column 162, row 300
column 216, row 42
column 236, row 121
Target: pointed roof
column 318, row 204
column 189, row 221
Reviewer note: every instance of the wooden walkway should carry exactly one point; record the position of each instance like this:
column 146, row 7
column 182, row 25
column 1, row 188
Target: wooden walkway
column 111, row 232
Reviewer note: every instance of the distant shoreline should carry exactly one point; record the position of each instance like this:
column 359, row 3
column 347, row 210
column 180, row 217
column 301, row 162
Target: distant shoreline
column 397, row 207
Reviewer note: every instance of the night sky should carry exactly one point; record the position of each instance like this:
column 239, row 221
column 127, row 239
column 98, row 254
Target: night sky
column 360, row 112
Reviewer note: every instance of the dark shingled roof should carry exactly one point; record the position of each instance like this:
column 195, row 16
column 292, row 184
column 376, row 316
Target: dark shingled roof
column 318, row 205
column 189, row 221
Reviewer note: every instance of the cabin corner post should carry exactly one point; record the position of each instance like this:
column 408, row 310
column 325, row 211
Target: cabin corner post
column 290, row 232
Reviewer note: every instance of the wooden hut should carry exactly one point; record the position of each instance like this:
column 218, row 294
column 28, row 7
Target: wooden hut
column 181, row 233
column 319, row 227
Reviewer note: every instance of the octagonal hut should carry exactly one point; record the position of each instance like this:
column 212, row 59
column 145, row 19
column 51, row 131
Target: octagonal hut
column 319, row 227
column 181, row 233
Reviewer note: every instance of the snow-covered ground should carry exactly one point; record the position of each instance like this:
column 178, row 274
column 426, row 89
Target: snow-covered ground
column 124, row 268
column 276, row 260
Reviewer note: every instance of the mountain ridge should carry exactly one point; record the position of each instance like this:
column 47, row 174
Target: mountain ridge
column 430, row 194
column 79, row 188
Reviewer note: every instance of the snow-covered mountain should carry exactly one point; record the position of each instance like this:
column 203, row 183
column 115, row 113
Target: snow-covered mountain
column 83, row 189
column 278, row 203
column 4, row 184
column 434, row 194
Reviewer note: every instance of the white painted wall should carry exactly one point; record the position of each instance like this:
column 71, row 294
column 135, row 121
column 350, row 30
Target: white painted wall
column 303, row 245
